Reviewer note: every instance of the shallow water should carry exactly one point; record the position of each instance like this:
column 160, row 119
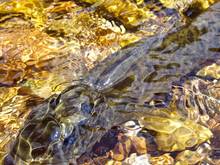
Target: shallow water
column 164, row 78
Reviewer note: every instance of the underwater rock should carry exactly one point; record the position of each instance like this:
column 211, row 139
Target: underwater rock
column 212, row 71
column 164, row 159
column 175, row 133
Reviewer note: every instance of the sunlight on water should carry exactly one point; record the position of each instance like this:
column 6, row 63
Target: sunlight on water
column 109, row 82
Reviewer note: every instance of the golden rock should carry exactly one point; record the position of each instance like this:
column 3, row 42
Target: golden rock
column 32, row 9
column 128, row 13
column 188, row 157
column 211, row 70
column 201, row 154
column 175, row 134
column 164, row 159
column 22, row 56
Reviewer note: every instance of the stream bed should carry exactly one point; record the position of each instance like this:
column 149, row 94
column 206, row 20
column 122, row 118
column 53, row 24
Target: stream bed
column 97, row 82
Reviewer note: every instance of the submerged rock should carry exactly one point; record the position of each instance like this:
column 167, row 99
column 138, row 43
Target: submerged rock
column 164, row 159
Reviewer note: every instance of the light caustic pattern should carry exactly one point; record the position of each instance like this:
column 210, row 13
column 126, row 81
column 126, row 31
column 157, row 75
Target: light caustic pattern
column 46, row 45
